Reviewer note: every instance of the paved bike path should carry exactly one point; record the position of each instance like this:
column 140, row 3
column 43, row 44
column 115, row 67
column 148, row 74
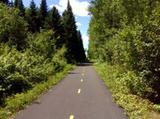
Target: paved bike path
column 80, row 95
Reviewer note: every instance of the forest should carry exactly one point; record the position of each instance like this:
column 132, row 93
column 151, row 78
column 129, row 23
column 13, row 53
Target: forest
column 125, row 41
column 35, row 43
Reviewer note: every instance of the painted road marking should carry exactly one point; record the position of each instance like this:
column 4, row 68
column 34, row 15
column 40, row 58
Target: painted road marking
column 71, row 117
column 79, row 91
column 82, row 80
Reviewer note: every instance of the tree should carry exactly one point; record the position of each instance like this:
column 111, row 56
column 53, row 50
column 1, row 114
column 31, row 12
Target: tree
column 126, row 33
column 43, row 13
column 75, row 50
column 81, row 53
column 12, row 27
column 54, row 22
column 70, row 33
column 11, row 4
column 19, row 4
column 54, row 19
column 16, row 3
column 32, row 18
column 5, row 1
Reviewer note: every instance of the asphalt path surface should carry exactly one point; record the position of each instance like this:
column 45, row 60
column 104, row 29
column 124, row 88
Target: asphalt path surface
column 80, row 95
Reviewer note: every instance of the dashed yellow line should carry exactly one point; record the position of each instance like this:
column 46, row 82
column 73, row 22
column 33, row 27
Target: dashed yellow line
column 82, row 80
column 71, row 117
column 79, row 91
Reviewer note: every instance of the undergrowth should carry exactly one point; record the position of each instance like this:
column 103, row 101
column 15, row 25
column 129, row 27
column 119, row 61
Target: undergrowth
column 19, row 101
column 118, row 80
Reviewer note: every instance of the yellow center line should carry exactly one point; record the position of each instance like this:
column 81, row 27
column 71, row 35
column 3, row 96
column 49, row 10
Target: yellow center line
column 71, row 117
column 79, row 91
column 82, row 80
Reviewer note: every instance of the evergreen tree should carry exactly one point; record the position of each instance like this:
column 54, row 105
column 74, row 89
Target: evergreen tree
column 72, row 42
column 16, row 3
column 43, row 13
column 5, row 1
column 81, row 53
column 54, row 19
column 19, row 4
column 54, row 22
column 32, row 18
column 70, row 33
column 11, row 4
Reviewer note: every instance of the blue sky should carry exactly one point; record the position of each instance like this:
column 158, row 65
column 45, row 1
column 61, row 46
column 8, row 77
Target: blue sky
column 79, row 9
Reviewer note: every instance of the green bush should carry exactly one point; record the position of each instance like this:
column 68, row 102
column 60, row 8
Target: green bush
column 20, row 71
column 135, row 84
column 122, row 82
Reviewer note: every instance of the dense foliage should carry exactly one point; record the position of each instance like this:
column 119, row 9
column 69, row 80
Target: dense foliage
column 127, row 33
column 117, row 79
column 32, row 18
column 43, row 13
column 72, row 36
column 5, row 1
column 19, row 4
column 34, row 45
column 12, row 27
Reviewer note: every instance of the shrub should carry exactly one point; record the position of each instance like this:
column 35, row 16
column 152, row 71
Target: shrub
column 122, row 82
column 20, row 71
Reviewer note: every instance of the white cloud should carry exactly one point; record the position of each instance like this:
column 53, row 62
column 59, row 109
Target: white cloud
column 51, row 6
column 76, row 17
column 78, row 24
column 80, row 8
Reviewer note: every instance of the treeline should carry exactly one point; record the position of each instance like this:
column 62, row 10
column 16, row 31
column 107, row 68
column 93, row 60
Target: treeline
column 64, row 27
column 127, row 33
column 34, row 44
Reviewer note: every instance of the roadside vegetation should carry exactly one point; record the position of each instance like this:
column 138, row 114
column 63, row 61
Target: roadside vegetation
column 38, row 47
column 124, row 41
column 120, row 81
column 19, row 101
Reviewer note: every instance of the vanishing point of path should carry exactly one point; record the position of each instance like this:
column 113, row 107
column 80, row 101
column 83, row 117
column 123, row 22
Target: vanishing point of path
column 80, row 95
